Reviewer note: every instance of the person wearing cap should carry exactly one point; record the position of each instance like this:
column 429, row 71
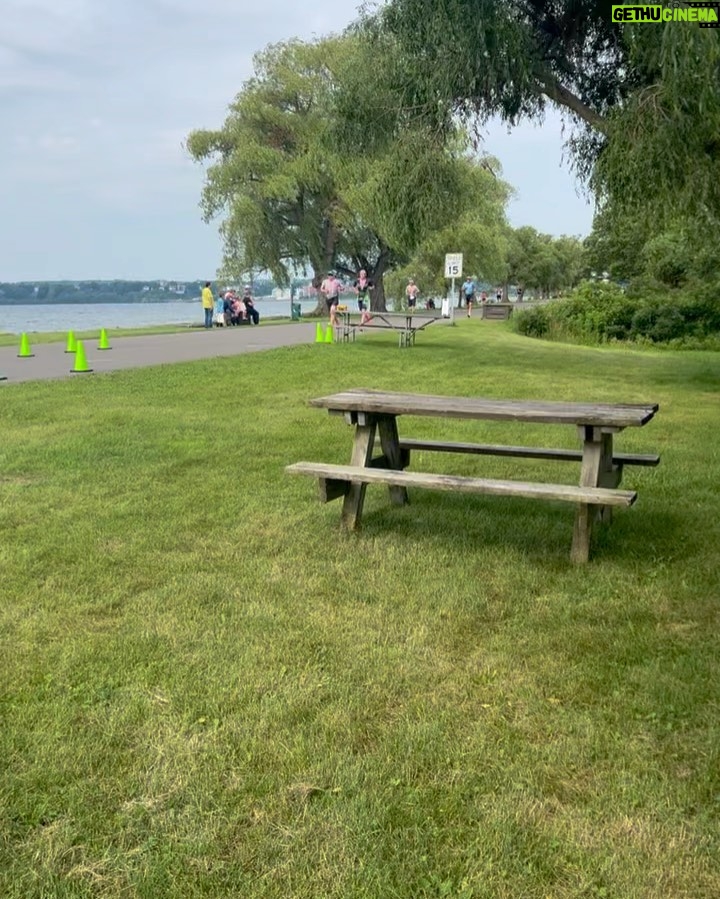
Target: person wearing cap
column 411, row 292
column 330, row 289
column 468, row 292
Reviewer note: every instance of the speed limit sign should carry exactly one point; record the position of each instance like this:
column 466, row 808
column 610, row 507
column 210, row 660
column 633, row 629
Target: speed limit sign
column 453, row 265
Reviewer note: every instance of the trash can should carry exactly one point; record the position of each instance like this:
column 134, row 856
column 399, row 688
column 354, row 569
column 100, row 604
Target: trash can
column 295, row 312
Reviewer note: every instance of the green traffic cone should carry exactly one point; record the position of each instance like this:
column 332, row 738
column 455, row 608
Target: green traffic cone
column 25, row 352
column 71, row 343
column 80, row 360
column 329, row 334
column 104, row 343
column 319, row 333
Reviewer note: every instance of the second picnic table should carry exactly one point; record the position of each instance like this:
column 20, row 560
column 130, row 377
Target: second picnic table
column 406, row 324
column 375, row 413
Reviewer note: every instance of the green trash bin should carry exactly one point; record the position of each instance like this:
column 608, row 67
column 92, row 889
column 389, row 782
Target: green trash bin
column 295, row 312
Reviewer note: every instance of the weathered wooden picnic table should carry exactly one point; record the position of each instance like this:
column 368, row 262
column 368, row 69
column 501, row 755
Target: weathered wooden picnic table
column 407, row 324
column 375, row 413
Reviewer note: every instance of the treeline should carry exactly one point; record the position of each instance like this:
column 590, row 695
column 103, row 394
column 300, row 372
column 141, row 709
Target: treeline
column 46, row 292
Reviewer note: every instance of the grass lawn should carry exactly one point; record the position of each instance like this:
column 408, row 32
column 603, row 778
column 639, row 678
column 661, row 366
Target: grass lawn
column 207, row 690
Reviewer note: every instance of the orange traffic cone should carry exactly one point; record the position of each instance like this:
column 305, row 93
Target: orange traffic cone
column 25, row 352
column 80, row 360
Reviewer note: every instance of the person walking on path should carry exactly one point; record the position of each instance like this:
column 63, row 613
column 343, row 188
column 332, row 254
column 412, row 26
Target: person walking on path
column 208, row 304
column 468, row 291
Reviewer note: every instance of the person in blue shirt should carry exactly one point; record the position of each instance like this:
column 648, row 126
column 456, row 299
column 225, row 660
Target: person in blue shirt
column 468, row 290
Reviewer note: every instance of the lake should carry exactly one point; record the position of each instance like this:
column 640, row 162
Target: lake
column 92, row 316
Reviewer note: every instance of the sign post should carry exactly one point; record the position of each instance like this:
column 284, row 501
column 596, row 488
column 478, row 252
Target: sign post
column 453, row 269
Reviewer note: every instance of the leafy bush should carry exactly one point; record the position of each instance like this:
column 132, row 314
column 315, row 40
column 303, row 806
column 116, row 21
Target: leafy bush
column 533, row 322
column 668, row 257
column 599, row 312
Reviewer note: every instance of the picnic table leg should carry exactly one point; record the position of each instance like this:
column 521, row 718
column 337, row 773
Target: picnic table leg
column 610, row 476
column 361, row 455
column 390, row 443
column 596, row 446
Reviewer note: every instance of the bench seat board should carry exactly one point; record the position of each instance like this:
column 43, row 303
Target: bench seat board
column 530, row 452
column 567, row 493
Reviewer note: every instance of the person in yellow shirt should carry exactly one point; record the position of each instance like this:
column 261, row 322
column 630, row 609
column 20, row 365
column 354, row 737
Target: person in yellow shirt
column 207, row 303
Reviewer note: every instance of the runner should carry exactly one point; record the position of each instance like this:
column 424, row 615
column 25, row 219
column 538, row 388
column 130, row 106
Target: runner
column 330, row 289
column 468, row 291
column 411, row 292
column 362, row 286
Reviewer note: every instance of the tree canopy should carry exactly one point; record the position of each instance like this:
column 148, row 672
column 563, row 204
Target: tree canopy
column 644, row 101
column 298, row 185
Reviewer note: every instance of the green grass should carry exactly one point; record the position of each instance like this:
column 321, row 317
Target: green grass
column 207, row 690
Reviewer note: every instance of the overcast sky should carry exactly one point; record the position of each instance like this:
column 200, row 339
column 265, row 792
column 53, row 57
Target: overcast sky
column 96, row 98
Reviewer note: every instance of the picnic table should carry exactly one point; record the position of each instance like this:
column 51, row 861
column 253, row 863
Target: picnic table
column 407, row 324
column 375, row 413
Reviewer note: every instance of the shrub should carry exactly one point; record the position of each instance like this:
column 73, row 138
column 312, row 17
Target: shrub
column 668, row 257
column 533, row 322
column 647, row 312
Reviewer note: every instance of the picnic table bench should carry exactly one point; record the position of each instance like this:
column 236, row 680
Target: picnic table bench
column 407, row 324
column 374, row 414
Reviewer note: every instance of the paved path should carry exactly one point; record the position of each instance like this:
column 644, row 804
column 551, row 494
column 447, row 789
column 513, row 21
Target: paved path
column 51, row 361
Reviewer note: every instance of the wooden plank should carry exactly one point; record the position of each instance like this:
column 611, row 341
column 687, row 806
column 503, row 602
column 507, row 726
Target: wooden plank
column 496, row 311
column 530, row 452
column 361, row 456
column 596, row 449
column 387, row 428
column 384, row 462
column 330, row 489
column 562, row 492
column 619, row 415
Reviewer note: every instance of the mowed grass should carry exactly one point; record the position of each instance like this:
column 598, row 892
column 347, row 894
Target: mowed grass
column 208, row 690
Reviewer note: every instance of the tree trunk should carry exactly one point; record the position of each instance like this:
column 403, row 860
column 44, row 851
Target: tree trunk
column 321, row 266
column 377, row 275
column 320, row 309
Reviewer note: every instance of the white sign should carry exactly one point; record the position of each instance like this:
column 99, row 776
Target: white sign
column 453, row 265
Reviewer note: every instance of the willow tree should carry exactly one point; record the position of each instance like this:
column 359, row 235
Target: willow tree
column 296, row 187
column 642, row 103
column 478, row 231
column 268, row 180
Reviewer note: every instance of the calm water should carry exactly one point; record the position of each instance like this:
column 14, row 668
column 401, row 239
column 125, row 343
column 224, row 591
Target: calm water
column 87, row 317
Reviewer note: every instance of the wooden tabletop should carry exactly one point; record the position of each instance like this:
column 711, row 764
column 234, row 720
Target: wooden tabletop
column 614, row 415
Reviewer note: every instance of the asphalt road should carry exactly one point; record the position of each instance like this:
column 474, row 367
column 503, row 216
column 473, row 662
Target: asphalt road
column 50, row 361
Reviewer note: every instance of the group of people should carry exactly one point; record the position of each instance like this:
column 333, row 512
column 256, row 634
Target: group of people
column 331, row 287
column 233, row 309
column 230, row 308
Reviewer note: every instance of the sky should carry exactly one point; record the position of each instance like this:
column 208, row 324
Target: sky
column 97, row 98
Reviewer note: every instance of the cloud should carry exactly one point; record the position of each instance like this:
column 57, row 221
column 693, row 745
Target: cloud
column 97, row 98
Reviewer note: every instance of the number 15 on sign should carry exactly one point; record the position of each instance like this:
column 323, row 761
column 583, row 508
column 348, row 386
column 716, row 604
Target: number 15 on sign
column 453, row 265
